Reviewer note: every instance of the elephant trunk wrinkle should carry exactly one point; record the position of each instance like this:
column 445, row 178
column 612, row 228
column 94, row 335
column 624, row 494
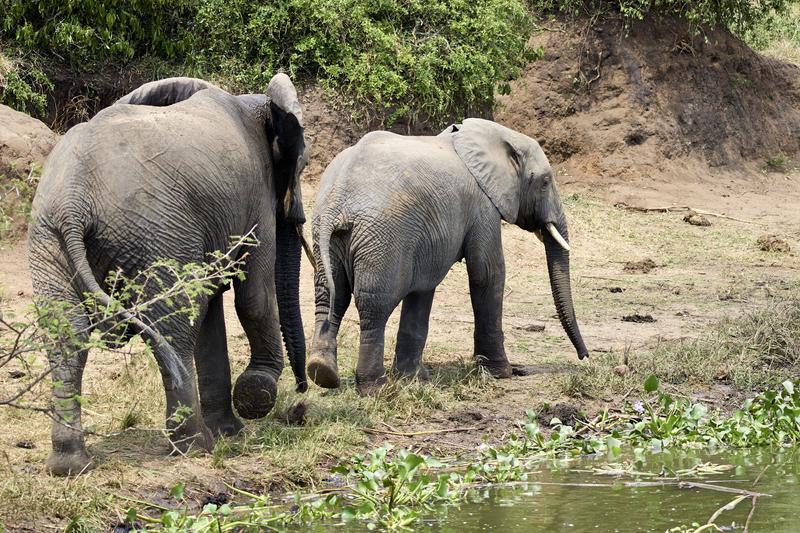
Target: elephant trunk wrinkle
column 287, row 285
column 558, row 269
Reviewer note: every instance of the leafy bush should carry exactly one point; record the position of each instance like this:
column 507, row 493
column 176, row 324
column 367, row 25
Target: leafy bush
column 96, row 30
column 23, row 85
column 431, row 58
column 739, row 15
column 778, row 35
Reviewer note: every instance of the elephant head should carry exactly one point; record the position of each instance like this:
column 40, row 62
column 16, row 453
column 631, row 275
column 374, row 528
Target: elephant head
column 512, row 170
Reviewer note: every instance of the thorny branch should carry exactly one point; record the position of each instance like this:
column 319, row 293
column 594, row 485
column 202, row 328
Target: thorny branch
column 45, row 328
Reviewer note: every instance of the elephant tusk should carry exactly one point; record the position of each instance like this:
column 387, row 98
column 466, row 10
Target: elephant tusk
column 557, row 236
column 539, row 235
column 306, row 247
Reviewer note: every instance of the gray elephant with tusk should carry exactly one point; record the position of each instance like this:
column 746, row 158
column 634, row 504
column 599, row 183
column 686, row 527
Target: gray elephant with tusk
column 173, row 170
column 393, row 214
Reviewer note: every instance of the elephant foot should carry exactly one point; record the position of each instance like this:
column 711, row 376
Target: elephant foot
column 497, row 369
column 190, row 439
column 419, row 372
column 69, row 464
column 254, row 394
column 226, row 425
column 323, row 371
column 370, row 387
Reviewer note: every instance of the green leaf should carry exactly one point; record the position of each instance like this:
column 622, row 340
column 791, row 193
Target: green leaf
column 651, row 383
column 177, row 491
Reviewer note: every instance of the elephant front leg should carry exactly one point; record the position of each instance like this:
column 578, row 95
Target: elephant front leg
column 257, row 308
column 412, row 334
column 486, row 271
column 214, row 372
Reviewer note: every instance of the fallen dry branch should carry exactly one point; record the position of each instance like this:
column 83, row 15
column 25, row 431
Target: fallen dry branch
column 719, row 488
column 679, row 208
column 418, row 433
column 750, row 514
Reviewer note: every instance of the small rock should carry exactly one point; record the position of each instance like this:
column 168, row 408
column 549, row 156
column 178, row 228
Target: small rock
column 25, row 445
column 773, row 243
column 642, row 267
column 296, row 415
column 217, row 499
column 636, row 317
column 696, row 219
column 21, row 293
column 621, row 370
column 124, row 527
column 682, row 313
column 533, row 328
column 568, row 414
column 16, row 374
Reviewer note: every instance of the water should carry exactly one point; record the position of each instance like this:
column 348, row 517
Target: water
column 555, row 508
column 546, row 504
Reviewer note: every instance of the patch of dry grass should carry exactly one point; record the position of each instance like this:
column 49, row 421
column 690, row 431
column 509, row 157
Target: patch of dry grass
column 754, row 351
column 124, row 405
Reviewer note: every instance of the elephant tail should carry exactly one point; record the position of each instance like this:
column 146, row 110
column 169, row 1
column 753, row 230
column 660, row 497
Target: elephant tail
column 332, row 224
column 165, row 355
column 325, row 234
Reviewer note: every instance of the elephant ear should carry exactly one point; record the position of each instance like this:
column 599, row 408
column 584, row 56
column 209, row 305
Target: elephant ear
column 289, row 148
column 491, row 153
column 165, row 92
column 452, row 128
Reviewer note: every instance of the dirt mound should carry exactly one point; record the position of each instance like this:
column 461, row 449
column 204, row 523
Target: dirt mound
column 328, row 129
column 615, row 107
column 23, row 141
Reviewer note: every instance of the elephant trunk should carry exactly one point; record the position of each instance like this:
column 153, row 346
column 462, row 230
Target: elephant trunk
column 287, row 286
column 558, row 268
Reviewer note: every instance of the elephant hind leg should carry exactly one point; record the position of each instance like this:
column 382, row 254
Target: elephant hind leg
column 58, row 303
column 374, row 308
column 67, row 362
column 322, row 363
column 214, row 372
column 184, row 416
column 412, row 334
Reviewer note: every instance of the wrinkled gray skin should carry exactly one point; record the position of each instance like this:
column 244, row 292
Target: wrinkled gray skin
column 173, row 170
column 394, row 213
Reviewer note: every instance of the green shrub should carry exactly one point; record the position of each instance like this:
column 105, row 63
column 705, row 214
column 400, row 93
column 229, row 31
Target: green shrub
column 96, row 30
column 739, row 15
column 426, row 57
column 778, row 34
column 23, row 85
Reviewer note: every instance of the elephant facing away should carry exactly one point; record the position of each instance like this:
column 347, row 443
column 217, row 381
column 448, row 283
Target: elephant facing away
column 173, row 170
column 394, row 213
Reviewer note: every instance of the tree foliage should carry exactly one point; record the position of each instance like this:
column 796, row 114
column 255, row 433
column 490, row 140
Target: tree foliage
column 96, row 30
column 434, row 59
column 738, row 15
column 437, row 57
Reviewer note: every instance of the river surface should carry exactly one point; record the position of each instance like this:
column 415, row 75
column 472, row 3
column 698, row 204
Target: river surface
column 582, row 495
